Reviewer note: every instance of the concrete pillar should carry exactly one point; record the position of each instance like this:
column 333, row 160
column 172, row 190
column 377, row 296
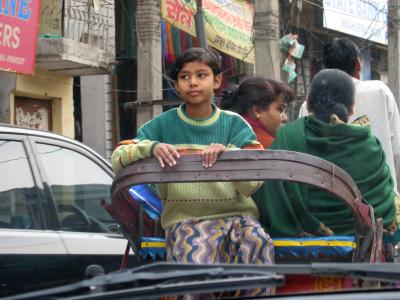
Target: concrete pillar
column 249, row 69
column 149, row 55
column 96, row 107
column 266, row 25
column 393, row 49
column 7, row 86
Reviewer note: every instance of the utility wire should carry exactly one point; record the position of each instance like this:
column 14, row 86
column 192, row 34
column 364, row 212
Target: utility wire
column 372, row 4
column 378, row 30
column 224, row 71
column 59, row 81
column 165, row 76
column 333, row 10
column 372, row 20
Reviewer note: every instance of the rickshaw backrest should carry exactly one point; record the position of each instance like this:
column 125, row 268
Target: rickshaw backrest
column 239, row 166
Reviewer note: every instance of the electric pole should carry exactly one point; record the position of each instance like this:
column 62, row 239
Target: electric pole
column 199, row 22
column 149, row 78
column 266, row 25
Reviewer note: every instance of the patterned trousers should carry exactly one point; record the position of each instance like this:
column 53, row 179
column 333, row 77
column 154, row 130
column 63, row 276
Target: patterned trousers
column 238, row 239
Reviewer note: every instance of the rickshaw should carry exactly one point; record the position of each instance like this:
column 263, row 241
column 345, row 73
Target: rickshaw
column 137, row 210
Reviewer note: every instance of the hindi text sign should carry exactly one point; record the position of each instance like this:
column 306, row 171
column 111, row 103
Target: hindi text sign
column 228, row 23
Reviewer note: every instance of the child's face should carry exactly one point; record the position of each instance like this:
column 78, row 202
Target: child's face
column 196, row 83
column 274, row 115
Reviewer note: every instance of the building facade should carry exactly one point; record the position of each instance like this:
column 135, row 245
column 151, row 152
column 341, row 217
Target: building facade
column 76, row 39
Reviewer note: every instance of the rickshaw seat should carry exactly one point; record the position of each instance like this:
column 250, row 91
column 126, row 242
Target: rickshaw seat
column 339, row 248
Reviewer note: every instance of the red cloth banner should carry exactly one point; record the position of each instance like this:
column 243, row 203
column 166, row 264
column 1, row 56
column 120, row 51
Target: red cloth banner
column 19, row 22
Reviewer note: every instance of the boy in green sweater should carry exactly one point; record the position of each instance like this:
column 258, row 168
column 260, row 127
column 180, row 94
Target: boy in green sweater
column 203, row 222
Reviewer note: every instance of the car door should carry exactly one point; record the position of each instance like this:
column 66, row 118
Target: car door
column 29, row 255
column 77, row 181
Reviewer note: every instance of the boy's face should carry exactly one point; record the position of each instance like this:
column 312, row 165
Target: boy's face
column 273, row 116
column 196, row 83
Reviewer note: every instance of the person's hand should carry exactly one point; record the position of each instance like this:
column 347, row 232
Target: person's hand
column 165, row 154
column 210, row 154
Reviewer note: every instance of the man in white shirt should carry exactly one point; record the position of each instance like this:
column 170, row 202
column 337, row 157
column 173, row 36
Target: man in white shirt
column 373, row 98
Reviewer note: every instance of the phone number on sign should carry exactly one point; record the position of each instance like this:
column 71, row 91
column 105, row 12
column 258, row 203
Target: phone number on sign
column 12, row 59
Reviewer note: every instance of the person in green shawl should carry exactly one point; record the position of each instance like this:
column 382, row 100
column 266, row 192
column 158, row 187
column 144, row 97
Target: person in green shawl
column 290, row 209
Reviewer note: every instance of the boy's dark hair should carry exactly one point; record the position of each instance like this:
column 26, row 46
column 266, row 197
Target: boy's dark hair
column 257, row 91
column 342, row 54
column 331, row 92
column 208, row 56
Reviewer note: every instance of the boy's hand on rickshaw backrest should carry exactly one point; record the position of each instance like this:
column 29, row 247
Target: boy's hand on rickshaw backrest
column 210, row 154
column 165, row 154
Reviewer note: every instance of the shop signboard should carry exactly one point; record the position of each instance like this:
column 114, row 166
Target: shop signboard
column 364, row 19
column 18, row 35
column 228, row 24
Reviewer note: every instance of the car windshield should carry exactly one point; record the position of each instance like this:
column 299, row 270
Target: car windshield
column 303, row 266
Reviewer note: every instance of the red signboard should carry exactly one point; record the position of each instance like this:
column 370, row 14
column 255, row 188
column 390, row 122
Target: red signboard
column 18, row 35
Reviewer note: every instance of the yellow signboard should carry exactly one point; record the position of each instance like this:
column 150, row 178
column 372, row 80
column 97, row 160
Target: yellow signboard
column 228, row 23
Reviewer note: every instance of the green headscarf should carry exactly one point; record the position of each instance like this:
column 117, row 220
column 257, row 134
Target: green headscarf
column 292, row 209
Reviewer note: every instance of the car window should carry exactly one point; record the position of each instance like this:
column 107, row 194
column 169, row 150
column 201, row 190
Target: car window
column 78, row 185
column 18, row 194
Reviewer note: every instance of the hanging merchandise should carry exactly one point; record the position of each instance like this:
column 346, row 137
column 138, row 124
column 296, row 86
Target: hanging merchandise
column 240, row 67
column 164, row 40
column 190, row 41
column 288, row 67
column 294, row 49
column 182, row 38
column 176, row 41
column 171, row 53
column 228, row 66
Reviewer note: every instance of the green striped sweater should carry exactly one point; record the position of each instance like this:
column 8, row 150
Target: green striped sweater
column 195, row 200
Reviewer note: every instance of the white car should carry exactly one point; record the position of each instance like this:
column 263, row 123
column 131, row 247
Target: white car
column 52, row 224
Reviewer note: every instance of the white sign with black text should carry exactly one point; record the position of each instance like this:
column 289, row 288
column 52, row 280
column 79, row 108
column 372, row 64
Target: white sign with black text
column 366, row 19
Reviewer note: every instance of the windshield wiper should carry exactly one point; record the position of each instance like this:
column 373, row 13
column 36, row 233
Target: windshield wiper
column 167, row 279
column 387, row 272
column 162, row 278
